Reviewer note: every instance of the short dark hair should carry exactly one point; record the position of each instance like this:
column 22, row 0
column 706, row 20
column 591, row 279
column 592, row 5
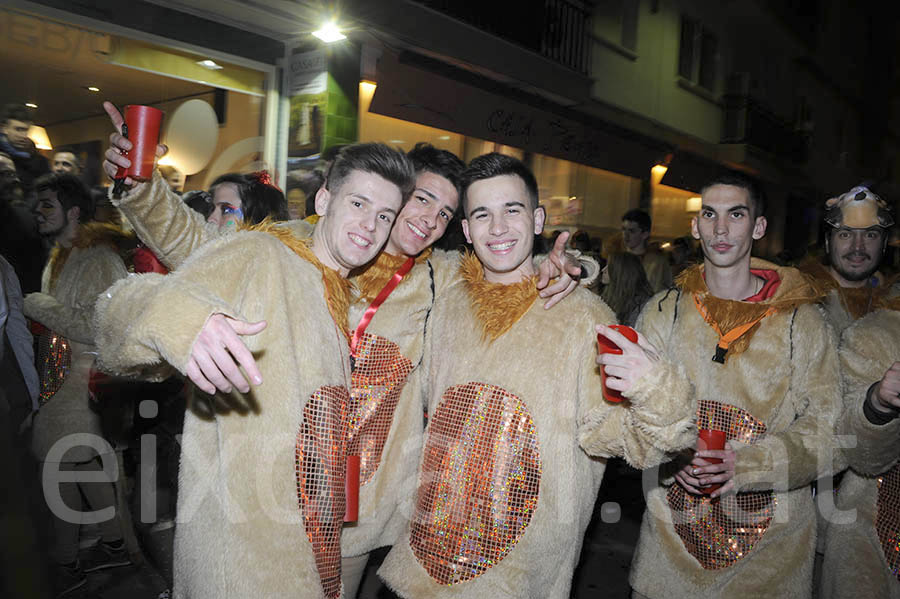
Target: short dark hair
column 488, row 166
column 754, row 191
column 70, row 192
column 639, row 217
column 16, row 112
column 375, row 158
column 428, row 159
column 258, row 200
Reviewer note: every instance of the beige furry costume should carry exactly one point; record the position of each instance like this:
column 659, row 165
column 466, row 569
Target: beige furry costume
column 506, row 485
column 261, row 498
column 71, row 282
column 777, row 396
column 861, row 549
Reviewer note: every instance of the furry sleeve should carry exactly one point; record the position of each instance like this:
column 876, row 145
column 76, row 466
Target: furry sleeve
column 98, row 268
column 164, row 222
column 868, row 349
column 804, row 450
column 152, row 318
column 657, row 419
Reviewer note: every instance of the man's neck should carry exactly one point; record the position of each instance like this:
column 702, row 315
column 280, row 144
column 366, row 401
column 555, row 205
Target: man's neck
column 734, row 282
column 67, row 236
column 639, row 250
column 844, row 282
column 394, row 250
column 512, row 277
column 320, row 251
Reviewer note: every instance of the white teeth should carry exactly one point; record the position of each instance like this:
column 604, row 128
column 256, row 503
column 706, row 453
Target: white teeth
column 416, row 231
column 360, row 240
column 501, row 246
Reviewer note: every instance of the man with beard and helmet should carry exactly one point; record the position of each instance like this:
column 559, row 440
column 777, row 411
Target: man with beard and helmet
column 859, row 222
column 861, row 558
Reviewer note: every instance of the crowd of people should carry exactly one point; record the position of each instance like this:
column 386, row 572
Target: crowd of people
column 336, row 385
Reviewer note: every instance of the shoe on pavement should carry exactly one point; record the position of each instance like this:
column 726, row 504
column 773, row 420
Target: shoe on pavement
column 105, row 555
column 68, row 578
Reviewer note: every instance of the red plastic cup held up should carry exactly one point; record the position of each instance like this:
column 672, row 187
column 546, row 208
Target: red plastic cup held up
column 143, row 132
column 711, row 439
column 351, row 489
column 605, row 346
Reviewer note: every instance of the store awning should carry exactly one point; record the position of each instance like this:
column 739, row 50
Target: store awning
column 415, row 94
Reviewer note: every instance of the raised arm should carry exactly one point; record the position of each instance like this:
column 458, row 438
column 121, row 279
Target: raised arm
column 160, row 218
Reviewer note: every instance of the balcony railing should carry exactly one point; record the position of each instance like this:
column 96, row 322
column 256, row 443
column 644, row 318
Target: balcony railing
column 556, row 29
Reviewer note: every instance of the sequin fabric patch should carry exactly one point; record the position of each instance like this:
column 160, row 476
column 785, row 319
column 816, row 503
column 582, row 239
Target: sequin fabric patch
column 378, row 378
column 719, row 532
column 54, row 359
column 481, row 473
column 887, row 518
column 320, row 463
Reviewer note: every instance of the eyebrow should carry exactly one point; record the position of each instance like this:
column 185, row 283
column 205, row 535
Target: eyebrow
column 365, row 199
column 731, row 209
column 506, row 205
column 426, row 192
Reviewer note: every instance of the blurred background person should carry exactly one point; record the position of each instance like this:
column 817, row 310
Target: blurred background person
column 683, row 254
column 174, row 177
column 20, row 242
column 626, row 288
column 66, row 162
column 247, row 199
column 636, row 226
column 15, row 122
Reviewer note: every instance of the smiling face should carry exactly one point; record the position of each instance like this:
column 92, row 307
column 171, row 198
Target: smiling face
column 855, row 254
column 726, row 226
column 65, row 162
column 501, row 224
column 356, row 220
column 425, row 217
column 226, row 206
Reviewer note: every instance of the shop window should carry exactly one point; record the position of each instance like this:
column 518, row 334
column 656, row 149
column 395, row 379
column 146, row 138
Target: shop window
column 698, row 54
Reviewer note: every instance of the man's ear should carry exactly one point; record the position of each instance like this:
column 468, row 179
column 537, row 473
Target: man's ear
column 73, row 213
column 540, row 215
column 322, row 198
column 759, row 227
column 695, row 232
column 465, row 228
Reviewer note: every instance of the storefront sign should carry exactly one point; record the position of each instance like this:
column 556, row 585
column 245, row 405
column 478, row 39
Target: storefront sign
column 308, row 73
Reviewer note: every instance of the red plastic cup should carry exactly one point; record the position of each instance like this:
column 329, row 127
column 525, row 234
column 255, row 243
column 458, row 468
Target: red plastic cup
column 143, row 132
column 711, row 439
column 351, row 489
column 605, row 346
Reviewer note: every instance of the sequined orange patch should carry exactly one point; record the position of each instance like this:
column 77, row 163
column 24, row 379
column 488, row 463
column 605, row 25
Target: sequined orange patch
column 719, row 532
column 53, row 359
column 378, row 378
column 887, row 518
column 481, row 473
column 320, row 462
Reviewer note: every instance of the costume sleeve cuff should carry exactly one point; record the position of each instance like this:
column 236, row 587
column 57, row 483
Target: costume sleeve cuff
column 874, row 416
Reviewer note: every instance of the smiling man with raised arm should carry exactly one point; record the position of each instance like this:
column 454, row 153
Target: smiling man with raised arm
column 506, row 481
column 261, row 503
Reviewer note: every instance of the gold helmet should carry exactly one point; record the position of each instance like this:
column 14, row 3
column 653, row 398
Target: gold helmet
column 859, row 208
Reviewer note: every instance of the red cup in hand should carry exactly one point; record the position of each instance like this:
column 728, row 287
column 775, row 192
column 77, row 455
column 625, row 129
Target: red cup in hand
column 711, row 439
column 143, row 123
column 605, row 346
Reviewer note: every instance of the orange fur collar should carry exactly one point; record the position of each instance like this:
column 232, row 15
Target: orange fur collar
column 337, row 288
column 372, row 279
column 497, row 306
column 857, row 301
column 795, row 290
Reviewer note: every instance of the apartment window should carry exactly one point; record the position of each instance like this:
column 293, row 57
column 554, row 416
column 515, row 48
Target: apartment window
column 616, row 21
column 698, row 54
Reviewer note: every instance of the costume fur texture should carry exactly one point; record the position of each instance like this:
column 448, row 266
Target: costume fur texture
column 787, row 376
column 551, row 368
column 240, row 532
column 855, row 564
column 71, row 282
